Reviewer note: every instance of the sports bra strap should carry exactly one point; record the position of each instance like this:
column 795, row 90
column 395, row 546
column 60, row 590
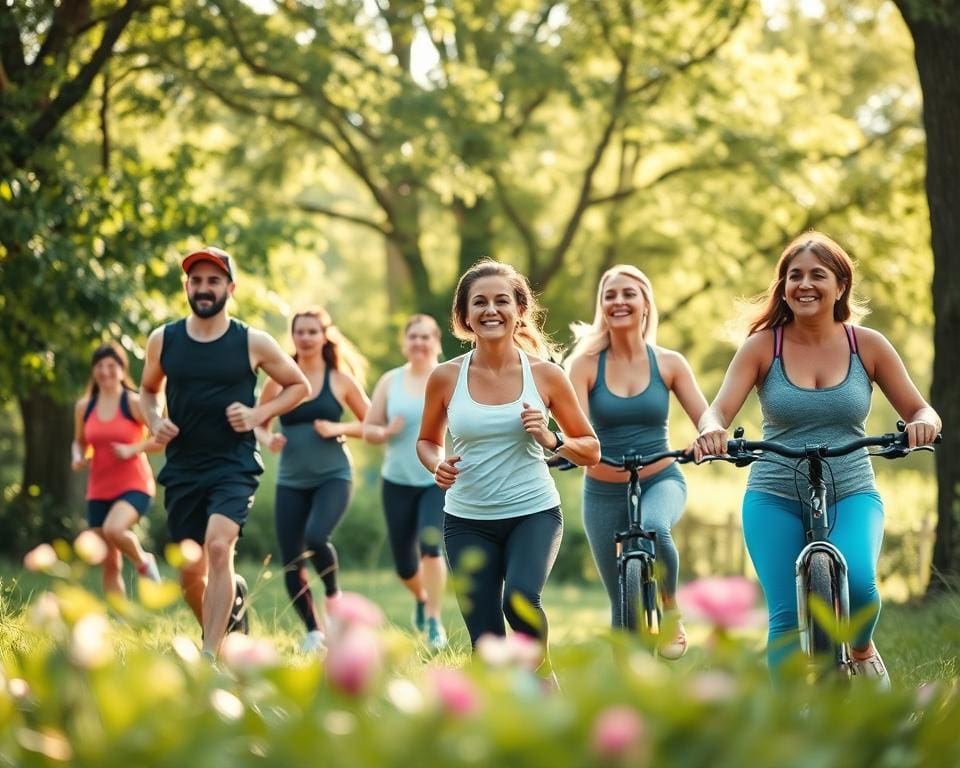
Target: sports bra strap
column 777, row 341
column 124, row 406
column 851, row 338
column 91, row 404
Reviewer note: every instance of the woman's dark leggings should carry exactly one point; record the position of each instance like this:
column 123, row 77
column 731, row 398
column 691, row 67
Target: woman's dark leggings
column 495, row 562
column 414, row 519
column 305, row 518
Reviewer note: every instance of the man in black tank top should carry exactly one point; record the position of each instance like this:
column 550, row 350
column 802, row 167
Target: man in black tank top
column 206, row 365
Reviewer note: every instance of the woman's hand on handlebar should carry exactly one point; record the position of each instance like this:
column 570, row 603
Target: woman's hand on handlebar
column 920, row 433
column 711, row 442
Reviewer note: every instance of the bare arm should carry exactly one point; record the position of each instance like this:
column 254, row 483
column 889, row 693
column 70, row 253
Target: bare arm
column 355, row 399
column 147, row 445
column 684, row 385
column 430, row 445
column 152, row 400
column 272, row 441
column 376, row 430
column 742, row 375
column 580, row 443
column 78, row 448
column 266, row 355
column 923, row 422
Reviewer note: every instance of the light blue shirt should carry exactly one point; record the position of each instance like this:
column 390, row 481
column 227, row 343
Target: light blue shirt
column 400, row 462
column 502, row 471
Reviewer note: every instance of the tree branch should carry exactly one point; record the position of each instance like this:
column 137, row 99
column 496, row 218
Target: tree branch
column 310, row 207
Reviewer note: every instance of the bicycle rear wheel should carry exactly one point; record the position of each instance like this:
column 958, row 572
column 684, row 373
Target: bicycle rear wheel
column 642, row 610
column 822, row 588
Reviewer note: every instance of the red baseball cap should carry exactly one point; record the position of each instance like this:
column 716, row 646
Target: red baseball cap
column 216, row 256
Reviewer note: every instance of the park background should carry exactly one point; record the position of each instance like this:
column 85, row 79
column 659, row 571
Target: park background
column 360, row 155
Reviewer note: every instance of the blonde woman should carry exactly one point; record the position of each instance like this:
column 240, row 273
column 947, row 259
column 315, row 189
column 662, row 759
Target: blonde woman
column 315, row 477
column 412, row 501
column 623, row 381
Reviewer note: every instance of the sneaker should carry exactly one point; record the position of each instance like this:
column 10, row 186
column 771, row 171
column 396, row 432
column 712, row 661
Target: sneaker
column 314, row 642
column 675, row 648
column 436, row 635
column 148, row 569
column 239, row 616
column 419, row 619
column 873, row 666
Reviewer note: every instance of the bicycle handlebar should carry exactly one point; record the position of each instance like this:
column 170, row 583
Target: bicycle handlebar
column 640, row 461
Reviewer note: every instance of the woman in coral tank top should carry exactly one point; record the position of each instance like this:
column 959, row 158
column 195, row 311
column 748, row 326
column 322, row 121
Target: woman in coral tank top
column 110, row 438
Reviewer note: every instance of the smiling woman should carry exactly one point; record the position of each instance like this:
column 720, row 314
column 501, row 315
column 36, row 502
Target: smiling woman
column 501, row 501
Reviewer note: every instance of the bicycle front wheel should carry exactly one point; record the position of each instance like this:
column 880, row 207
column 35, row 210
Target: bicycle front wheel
column 821, row 641
column 641, row 605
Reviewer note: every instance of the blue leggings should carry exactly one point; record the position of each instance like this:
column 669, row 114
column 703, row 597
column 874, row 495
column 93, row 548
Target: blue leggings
column 773, row 531
column 662, row 497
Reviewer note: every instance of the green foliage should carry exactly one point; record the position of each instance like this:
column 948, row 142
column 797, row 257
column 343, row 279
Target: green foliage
column 74, row 690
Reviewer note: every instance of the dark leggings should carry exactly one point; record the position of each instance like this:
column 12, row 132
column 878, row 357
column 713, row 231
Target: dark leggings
column 493, row 560
column 414, row 518
column 305, row 518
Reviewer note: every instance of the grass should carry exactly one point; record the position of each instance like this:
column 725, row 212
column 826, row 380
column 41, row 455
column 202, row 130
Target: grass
column 920, row 641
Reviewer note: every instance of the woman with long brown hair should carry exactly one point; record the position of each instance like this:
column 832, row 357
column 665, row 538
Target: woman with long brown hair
column 315, row 477
column 814, row 368
column 110, row 438
column 501, row 501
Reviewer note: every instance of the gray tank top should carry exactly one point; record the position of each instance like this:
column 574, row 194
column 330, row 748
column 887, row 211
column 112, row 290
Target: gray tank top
column 797, row 416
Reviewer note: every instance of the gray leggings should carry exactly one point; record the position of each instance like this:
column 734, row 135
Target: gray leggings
column 662, row 497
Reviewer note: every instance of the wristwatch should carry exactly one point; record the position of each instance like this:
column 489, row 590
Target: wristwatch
column 559, row 437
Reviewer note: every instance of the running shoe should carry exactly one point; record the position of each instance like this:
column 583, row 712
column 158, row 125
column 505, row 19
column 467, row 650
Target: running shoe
column 314, row 642
column 873, row 667
column 419, row 619
column 436, row 635
column 150, row 570
column 239, row 615
column 677, row 645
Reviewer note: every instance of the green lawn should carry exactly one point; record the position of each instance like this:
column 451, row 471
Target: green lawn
column 920, row 642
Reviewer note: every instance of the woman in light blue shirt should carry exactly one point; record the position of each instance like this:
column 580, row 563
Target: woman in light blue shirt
column 502, row 526
column 412, row 501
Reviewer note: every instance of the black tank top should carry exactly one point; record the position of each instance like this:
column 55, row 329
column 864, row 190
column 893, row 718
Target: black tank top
column 203, row 378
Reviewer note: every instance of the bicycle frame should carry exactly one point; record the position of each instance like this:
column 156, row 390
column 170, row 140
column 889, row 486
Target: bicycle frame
column 635, row 543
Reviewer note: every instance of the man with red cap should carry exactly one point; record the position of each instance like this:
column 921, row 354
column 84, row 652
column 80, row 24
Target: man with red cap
column 205, row 367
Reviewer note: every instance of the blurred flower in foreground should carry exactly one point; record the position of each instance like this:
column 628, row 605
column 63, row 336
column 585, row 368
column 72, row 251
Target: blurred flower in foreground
column 724, row 602
column 712, row 686
column 619, row 734
column 514, row 650
column 90, row 643
column 351, row 609
column 40, row 558
column 45, row 612
column 90, row 548
column 354, row 658
column 455, row 691
column 244, row 653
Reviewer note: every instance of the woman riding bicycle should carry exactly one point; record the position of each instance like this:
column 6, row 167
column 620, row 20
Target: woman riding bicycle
column 623, row 381
column 501, row 501
column 814, row 374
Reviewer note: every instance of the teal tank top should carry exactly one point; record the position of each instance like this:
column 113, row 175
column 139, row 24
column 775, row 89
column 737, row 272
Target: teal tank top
column 400, row 462
column 308, row 460
column 502, row 471
column 630, row 425
column 203, row 378
column 797, row 416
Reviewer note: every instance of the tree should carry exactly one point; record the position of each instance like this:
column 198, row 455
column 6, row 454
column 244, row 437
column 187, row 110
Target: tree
column 935, row 27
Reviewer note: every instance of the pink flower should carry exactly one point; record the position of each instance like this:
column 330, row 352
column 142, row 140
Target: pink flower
column 514, row 650
column 350, row 609
column 90, row 548
column 455, row 691
column 40, row 558
column 724, row 602
column 354, row 658
column 244, row 653
column 618, row 732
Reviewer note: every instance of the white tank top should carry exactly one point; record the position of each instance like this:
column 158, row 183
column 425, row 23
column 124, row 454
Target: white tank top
column 502, row 472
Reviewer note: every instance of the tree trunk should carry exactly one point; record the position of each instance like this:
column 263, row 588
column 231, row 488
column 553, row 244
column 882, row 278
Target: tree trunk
column 937, row 44
column 51, row 494
column 475, row 226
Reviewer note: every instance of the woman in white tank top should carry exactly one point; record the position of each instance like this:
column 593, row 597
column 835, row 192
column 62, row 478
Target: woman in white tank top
column 501, row 501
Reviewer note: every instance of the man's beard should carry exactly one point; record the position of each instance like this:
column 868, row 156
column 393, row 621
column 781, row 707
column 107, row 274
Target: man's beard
column 209, row 310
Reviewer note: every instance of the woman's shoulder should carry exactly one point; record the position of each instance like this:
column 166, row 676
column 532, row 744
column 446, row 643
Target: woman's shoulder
column 584, row 362
column 448, row 370
column 82, row 404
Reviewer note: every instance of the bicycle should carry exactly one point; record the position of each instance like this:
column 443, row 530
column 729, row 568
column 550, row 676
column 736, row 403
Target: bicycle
column 820, row 568
column 636, row 547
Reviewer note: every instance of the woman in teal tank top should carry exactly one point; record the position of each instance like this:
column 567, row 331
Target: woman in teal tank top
column 501, row 500
column 624, row 380
column 412, row 502
column 814, row 375
column 315, row 476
